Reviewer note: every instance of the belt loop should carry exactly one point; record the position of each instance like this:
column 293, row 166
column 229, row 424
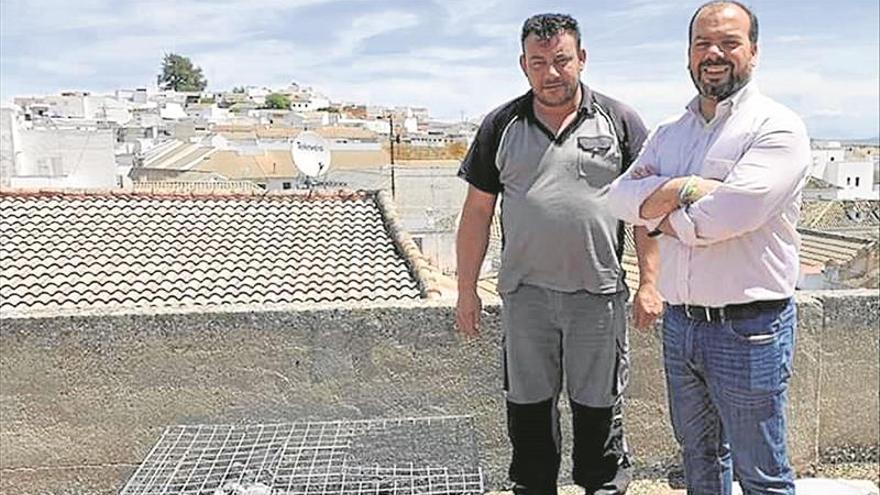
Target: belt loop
column 708, row 311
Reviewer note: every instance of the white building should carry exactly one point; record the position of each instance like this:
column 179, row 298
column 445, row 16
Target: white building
column 257, row 95
column 855, row 179
column 379, row 126
column 826, row 153
column 211, row 113
column 79, row 106
column 10, row 140
column 411, row 124
column 172, row 111
column 309, row 103
column 56, row 157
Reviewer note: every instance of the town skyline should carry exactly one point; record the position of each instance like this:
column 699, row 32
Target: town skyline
column 457, row 59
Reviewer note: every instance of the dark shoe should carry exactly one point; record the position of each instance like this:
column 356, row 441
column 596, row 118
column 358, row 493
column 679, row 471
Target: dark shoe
column 617, row 485
column 525, row 490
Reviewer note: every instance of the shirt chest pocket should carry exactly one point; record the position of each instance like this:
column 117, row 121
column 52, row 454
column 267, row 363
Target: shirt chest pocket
column 599, row 160
column 716, row 168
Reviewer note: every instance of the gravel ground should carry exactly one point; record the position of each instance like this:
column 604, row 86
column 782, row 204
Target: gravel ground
column 661, row 486
column 852, row 471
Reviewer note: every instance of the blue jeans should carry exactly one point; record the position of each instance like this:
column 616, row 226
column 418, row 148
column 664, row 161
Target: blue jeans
column 727, row 384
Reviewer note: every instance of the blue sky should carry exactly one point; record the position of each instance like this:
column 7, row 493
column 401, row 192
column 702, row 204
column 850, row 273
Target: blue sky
column 457, row 57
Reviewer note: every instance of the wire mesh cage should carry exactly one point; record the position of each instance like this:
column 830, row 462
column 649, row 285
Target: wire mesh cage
column 413, row 456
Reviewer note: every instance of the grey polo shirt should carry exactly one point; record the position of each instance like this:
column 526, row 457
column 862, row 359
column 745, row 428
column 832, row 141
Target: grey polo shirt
column 557, row 231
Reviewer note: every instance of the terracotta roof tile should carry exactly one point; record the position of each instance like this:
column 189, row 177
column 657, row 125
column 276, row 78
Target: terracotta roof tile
column 84, row 251
column 824, row 215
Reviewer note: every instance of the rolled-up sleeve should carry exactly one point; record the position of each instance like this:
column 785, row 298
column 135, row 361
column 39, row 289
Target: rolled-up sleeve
column 769, row 174
column 626, row 194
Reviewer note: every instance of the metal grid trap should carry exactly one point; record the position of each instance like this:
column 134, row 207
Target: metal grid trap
column 412, row 456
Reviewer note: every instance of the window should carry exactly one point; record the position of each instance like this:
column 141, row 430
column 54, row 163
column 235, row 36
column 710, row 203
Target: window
column 42, row 166
column 418, row 242
column 857, row 182
column 285, row 185
column 848, row 180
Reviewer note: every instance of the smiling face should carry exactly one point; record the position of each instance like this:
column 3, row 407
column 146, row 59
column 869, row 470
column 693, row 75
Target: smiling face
column 721, row 56
column 553, row 67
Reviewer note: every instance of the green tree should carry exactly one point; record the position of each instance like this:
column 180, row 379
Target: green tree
column 278, row 100
column 179, row 74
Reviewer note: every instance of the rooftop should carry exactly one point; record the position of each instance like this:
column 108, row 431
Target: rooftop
column 75, row 251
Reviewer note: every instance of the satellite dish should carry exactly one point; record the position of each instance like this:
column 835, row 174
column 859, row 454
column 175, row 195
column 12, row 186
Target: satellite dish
column 311, row 154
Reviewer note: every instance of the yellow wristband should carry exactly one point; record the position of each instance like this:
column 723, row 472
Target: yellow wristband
column 687, row 193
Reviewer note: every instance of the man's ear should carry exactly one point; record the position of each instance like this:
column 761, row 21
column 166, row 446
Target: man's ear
column 522, row 64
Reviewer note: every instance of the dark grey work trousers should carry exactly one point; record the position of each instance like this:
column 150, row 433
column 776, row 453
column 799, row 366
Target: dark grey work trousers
column 578, row 338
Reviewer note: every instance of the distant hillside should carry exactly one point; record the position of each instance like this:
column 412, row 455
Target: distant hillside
column 875, row 140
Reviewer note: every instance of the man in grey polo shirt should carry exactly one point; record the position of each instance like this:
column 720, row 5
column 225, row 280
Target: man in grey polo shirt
column 551, row 154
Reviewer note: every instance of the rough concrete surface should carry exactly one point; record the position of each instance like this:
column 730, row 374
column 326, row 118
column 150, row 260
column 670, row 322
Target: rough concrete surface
column 850, row 407
column 804, row 406
column 84, row 398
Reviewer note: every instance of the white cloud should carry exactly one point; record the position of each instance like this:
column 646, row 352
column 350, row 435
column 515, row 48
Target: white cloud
column 820, row 94
column 646, row 9
column 462, row 57
column 367, row 26
column 61, row 67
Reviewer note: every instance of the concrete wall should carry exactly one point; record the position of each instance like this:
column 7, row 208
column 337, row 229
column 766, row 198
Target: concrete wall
column 83, row 398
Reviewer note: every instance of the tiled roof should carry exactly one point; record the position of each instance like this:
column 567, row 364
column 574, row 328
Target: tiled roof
column 824, row 215
column 346, row 132
column 358, row 159
column 817, row 183
column 176, row 155
column 249, row 132
column 279, row 164
column 234, row 165
column 826, row 248
column 61, row 251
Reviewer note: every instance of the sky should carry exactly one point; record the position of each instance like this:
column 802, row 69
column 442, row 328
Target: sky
column 458, row 58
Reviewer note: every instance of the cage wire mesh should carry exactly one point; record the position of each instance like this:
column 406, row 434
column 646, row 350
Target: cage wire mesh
column 412, row 456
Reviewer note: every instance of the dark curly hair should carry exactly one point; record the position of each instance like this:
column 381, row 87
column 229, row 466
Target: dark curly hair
column 545, row 26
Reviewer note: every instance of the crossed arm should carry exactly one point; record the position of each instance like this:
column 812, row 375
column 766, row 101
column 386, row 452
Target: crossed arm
column 760, row 182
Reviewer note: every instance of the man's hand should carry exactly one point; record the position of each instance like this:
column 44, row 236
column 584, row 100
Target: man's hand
column 642, row 172
column 666, row 227
column 467, row 313
column 647, row 306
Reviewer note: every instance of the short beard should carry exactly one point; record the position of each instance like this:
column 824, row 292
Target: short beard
column 570, row 94
column 722, row 91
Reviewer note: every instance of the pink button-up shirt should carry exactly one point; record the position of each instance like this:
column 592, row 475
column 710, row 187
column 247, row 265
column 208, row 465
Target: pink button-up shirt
column 740, row 243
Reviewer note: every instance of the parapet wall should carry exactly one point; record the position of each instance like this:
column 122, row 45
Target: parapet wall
column 83, row 398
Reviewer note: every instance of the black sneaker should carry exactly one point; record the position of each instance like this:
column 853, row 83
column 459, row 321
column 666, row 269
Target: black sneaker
column 519, row 489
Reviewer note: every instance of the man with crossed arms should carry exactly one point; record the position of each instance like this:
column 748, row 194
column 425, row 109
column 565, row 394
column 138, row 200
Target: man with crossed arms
column 720, row 186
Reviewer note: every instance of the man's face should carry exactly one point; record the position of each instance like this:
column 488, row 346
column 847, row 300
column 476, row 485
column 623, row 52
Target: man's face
column 553, row 67
column 721, row 57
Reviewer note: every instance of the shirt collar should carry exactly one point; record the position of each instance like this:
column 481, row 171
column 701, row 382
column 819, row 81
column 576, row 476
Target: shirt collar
column 729, row 104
